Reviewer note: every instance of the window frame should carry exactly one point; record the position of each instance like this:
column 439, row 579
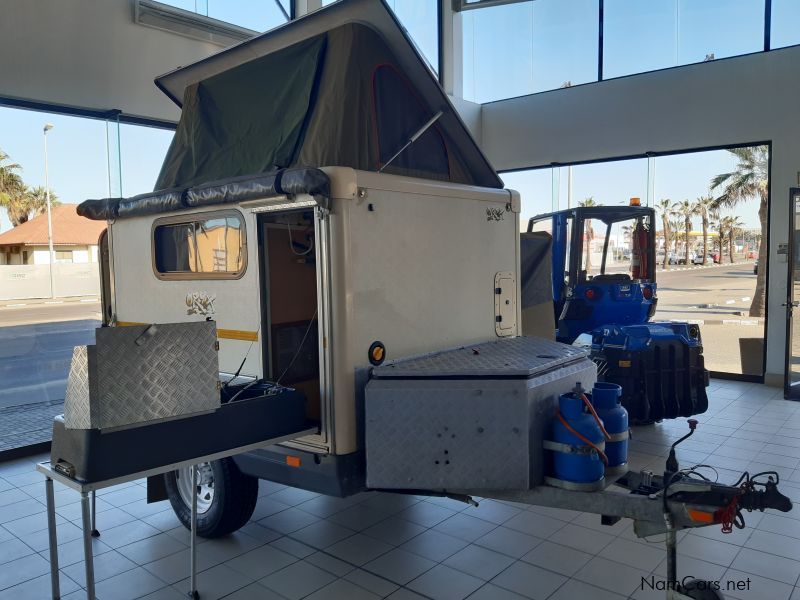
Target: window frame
column 187, row 218
column 462, row 6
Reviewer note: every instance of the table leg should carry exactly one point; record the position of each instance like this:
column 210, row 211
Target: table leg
column 53, row 540
column 193, row 539
column 86, row 522
column 95, row 533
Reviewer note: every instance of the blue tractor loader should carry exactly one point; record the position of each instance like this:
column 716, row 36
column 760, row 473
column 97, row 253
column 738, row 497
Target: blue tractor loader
column 602, row 262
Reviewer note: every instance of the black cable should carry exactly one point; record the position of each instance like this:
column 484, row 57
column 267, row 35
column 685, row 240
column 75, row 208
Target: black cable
column 299, row 348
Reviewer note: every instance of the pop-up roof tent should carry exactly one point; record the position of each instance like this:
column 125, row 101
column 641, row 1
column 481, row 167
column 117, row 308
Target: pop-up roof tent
column 342, row 86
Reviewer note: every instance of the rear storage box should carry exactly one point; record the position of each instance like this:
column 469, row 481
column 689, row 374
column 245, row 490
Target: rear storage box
column 142, row 374
column 468, row 418
column 659, row 366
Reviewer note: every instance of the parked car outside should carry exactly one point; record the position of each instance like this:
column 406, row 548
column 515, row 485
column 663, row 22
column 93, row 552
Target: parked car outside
column 698, row 259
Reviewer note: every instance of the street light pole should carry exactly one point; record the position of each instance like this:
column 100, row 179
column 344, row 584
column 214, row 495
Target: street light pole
column 47, row 128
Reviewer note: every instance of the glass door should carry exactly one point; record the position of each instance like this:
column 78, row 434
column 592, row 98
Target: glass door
column 792, row 378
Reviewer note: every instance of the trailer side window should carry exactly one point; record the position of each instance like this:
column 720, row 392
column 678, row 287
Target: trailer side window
column 211, row 246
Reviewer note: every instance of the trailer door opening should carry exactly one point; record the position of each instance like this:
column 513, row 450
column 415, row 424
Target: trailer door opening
column 291, row 352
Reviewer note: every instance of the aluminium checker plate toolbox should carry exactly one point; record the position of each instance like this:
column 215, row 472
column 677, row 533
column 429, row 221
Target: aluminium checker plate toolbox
column 472, row 417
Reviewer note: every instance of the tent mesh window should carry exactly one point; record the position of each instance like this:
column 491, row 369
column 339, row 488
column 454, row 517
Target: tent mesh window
column 399, row 114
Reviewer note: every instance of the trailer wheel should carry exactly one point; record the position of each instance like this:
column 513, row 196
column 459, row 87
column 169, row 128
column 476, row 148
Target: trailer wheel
column 226, row 498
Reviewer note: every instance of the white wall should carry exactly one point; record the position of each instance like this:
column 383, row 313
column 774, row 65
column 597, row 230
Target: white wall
column 41, row 257
column 90, row 54
column 745, row 99
column 18, row 282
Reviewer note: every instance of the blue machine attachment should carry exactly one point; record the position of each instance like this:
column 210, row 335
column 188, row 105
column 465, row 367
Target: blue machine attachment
column 659, row 366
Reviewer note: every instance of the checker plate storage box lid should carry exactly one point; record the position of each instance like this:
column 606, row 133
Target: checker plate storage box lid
column 519, row 357
column 142, row 374
column 468, row 419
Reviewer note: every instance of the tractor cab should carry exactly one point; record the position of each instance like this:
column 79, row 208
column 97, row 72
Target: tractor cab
column 603, row 266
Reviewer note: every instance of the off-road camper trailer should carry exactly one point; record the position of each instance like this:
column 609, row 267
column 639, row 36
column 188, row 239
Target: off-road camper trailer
column 325, row 205
column 342, row 267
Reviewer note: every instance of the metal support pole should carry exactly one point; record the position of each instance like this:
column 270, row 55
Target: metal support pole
column 88, row 558
column 193, row 539
column 95, row 533
column 672, row 553
column 51, row 531
column 47, row 128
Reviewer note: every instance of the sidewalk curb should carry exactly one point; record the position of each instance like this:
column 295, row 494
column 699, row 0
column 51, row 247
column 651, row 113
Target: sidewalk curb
column 25, row 302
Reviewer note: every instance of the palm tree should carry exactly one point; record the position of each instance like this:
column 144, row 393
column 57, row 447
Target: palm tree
column 675, row 228
column 702, row 207
column 734, row 226
column 749, row 180
column 37, row 200
column 685, row 209
column 20, row 201
column 716, row 223
column 588, row 233
column 12, row 190
column 665, row 206
column 725, row 224
column 8, row 172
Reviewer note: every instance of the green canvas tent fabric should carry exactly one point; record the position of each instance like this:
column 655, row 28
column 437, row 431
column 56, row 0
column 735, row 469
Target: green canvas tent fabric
column 339, row 98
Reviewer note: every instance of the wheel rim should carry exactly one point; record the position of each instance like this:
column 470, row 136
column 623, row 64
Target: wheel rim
column 204, row 490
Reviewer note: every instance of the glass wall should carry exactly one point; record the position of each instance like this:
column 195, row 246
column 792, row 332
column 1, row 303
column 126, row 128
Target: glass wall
column 258, row 15
column 47, row 308
column 785, row 19
column 707, row 254
column 644, row 36
column 142, row 150
column 527, row 47
column 421, row 20
column 535, row 187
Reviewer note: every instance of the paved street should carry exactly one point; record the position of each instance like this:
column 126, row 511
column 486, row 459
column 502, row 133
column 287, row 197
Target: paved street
column 36, row 344
column 718, row 297
column 712, row 292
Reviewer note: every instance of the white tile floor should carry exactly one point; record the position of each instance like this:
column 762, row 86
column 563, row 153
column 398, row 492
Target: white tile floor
column 301, row 545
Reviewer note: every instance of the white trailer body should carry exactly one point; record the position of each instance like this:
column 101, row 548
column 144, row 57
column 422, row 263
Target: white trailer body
column 411, row 263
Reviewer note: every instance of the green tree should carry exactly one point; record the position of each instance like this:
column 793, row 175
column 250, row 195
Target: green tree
column 12, row 190
column 20, row 201
column 702, row 207
column 675, row 229
column 37, row 200
column 735, row 225
column 716, row 222
column 749, row 180
column 685, row 210
column 725, row 224
column 664, row 206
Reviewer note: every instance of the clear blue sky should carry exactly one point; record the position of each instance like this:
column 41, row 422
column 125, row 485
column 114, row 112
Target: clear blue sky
column 78, row 159
column 509, row 50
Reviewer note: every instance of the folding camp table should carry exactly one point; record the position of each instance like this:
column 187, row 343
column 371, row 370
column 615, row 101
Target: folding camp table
column 87, row 490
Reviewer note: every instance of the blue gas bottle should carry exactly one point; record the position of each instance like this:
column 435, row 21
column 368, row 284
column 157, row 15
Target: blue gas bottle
column 570, row 465
column 606, row 399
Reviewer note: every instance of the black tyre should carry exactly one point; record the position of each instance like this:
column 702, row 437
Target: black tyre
column 226, row 498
